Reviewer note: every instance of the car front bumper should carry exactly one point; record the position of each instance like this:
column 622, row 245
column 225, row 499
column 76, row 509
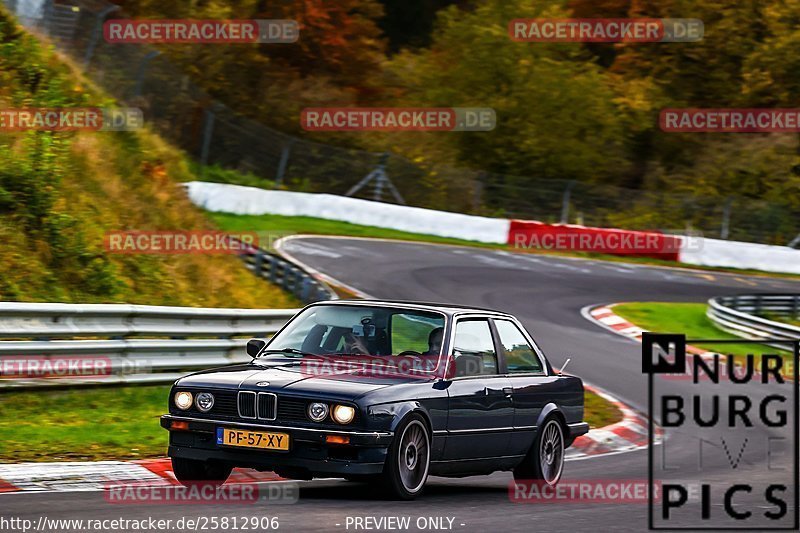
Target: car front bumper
column 309, row 454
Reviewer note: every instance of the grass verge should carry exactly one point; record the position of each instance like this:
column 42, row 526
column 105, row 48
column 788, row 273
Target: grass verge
column 83, row 424
column 120, row 423
column 598, row 411
column 689, row 319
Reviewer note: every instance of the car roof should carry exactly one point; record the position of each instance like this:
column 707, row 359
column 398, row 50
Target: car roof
column 451, row 309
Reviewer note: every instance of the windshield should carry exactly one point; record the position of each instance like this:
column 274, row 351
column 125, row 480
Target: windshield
column 348, row 331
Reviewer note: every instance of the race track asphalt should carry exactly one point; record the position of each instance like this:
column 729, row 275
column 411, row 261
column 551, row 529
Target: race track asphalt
column 547, row 293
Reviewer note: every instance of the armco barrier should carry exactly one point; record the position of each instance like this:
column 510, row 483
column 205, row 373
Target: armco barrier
column 288, row 275
column 138, row 343
column 569, row 237
column 734, row 314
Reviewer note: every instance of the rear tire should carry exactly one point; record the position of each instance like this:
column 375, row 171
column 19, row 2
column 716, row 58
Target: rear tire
column 193, row 471
column 408, row 460
column 544, row 462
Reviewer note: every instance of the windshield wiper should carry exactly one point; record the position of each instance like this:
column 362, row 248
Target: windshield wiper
column 286, row 352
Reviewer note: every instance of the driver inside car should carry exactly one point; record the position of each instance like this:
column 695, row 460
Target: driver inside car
column 355, row 344
column 435, row 341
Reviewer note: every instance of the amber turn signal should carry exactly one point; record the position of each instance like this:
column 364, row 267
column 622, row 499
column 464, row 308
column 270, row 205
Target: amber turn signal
column 178, row 425
column 337, row 439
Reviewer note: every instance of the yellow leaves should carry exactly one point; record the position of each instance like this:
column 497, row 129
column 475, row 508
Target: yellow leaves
column 636, row 95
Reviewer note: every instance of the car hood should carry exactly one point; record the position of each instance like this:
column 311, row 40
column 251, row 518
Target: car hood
column 288, row 378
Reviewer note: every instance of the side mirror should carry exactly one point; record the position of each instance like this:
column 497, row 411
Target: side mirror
column 254, row 347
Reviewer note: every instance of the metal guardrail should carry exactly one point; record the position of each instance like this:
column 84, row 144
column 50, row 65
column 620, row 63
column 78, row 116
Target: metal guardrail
column 127, row 343
column 284, row 273
column 737, row 315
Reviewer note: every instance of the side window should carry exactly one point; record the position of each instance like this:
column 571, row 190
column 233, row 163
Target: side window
column 520, row 356
column 416, row 332
column 474, row 348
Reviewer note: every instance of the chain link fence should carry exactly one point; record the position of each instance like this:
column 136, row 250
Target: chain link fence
column 214, row 134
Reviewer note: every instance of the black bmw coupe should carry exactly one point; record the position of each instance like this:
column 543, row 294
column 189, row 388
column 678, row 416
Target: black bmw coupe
column 380, row 391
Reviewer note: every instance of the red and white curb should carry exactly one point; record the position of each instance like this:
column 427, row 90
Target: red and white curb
column 94, row 476
column 627, row 435
column 604, row 316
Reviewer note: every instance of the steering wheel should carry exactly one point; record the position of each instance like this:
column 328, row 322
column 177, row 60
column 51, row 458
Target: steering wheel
column 410, row 352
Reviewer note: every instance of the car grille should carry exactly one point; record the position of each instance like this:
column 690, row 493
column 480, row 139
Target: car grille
column 224, row 404
column 247, row 404
column 250, row 405
column 292, row 409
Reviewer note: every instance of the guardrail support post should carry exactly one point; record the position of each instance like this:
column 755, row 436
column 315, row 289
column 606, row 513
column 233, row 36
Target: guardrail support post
column 273, row 270
column 258, row 265
column 287, row 274
column 321, row 294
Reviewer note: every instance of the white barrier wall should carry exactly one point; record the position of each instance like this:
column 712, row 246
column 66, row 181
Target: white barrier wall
column 715, row 252
column 240, row 200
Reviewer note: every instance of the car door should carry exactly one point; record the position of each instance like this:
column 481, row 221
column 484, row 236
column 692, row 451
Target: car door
column 480, row 414
column 532, row 387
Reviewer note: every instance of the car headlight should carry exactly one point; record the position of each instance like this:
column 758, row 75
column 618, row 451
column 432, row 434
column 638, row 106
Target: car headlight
column 183, row 400
column 343, row 414
column 204, row 401
column 317, row 411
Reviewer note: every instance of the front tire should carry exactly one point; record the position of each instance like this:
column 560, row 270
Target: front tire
column 408, row 460
column 193, row 471
column 544, row 463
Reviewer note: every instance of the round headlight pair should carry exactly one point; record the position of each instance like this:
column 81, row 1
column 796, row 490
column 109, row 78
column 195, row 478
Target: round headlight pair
column 343, row 414
column 204, row 401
